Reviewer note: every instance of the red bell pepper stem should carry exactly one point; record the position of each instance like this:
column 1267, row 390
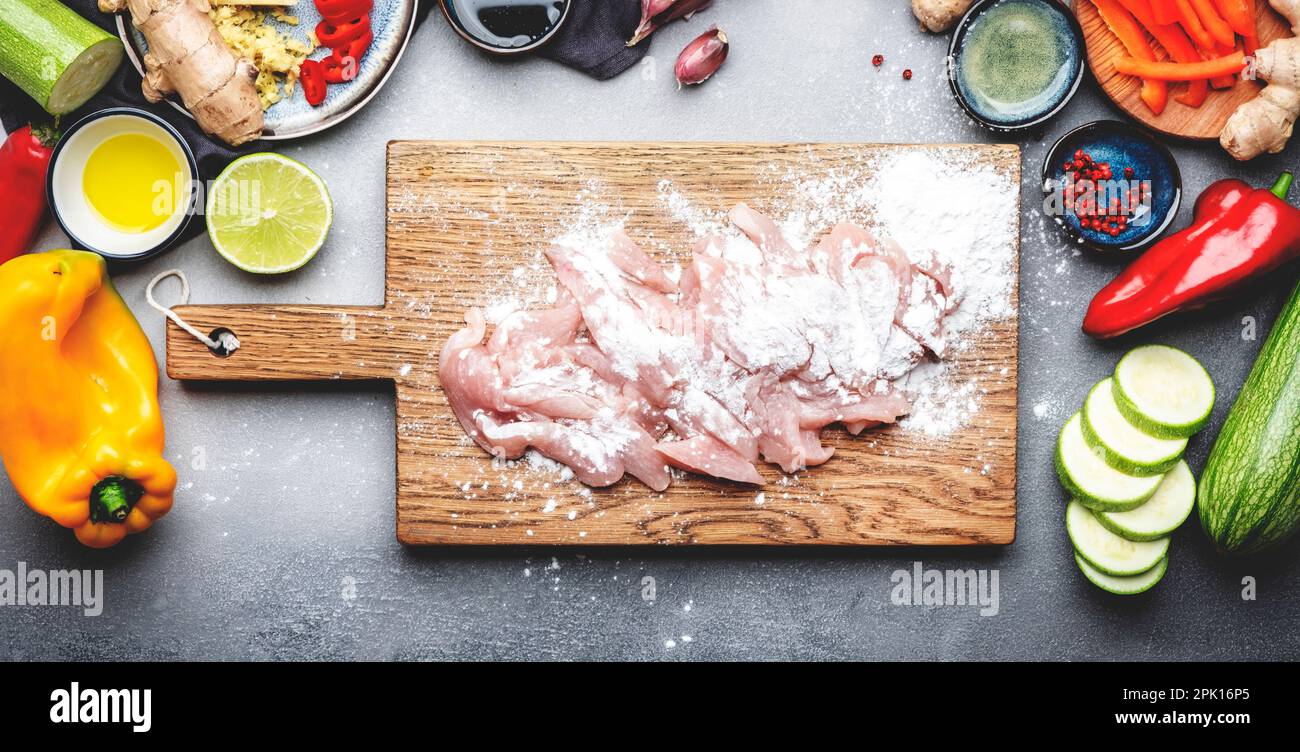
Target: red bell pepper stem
column 1282, row 186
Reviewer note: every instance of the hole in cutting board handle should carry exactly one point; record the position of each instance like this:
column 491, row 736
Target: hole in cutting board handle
column 218, row 335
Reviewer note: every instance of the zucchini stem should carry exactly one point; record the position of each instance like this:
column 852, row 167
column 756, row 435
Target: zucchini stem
column 112, row 499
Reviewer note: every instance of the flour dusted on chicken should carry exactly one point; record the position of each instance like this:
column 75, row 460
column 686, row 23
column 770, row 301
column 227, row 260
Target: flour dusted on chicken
column 746, row 355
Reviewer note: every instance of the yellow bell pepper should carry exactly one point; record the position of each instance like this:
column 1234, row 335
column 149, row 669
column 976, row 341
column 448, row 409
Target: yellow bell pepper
column 81, row 433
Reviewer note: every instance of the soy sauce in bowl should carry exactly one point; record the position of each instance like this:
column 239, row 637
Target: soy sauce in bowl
column 506, row 26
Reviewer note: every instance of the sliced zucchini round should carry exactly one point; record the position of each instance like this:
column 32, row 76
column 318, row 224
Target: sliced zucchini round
column 1131, row 585
column 1163, row 391
column 1093, row 482
column 1107, row 551
column 1162, row 514
column 1123, row 445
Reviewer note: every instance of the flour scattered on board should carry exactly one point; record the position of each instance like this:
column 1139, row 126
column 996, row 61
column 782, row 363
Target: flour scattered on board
column 937, row 204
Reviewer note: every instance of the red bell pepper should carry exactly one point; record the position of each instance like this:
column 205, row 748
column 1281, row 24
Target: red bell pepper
column 1239, row 234
column 24, row 162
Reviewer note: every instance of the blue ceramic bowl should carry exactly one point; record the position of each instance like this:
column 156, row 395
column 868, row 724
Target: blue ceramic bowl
column 1008, row 117
column 1121, row 146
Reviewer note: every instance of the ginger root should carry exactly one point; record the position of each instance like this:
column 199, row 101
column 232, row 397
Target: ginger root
column 1264, row 124
column 940, row 15
column 187, row 56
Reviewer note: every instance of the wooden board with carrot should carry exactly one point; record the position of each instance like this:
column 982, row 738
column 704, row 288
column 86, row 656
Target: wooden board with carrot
column 1165, row 100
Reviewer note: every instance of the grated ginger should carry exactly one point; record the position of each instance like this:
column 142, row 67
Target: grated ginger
column 276, row 55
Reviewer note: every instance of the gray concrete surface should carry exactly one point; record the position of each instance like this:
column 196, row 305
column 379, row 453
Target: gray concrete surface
column 283, row 547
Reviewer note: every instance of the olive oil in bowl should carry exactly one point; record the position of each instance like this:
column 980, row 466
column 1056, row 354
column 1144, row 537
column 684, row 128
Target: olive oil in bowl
column 122, row 184
column 121, row 181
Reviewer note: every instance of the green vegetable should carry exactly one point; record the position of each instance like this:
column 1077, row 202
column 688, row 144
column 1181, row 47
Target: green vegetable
column 1089, row 479
column 1131, row 585
column 1162, row 514
column 1250, row 490
column 1107, row 551
column 1163, row 391
column 59, row 58
column 1123, row 445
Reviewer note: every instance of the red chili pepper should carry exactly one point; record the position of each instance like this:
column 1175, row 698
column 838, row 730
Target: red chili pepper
column 313, row 82
column 1239, row 234
column 338, row 35
column 353, row 52
column 335, row 71
column 24, row 162
column 341, row 11
column 341, row 65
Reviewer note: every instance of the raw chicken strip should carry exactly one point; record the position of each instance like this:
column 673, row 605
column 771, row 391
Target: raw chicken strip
column 759, row 348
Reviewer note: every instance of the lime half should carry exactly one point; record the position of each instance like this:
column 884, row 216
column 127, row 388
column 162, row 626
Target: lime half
column 268, row 214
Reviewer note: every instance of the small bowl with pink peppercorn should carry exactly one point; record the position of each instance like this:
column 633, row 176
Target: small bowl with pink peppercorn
column 1111, row 187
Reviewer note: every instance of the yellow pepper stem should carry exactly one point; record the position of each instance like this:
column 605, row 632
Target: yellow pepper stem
column 112, row 498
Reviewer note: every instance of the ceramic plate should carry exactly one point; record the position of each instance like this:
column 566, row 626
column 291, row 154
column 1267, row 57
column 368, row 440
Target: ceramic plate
column 392, row 22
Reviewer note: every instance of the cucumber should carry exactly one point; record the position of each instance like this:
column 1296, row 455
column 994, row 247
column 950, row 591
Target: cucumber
column 1131, row 585
column 1161, row 514
column 1163, row 391
column 1124, row 446
column 1107, row 551
column 59, row 58
column 1093, row 482
column 1250, row 489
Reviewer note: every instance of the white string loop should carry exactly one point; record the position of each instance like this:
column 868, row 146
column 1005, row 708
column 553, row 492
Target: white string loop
column 226, row 341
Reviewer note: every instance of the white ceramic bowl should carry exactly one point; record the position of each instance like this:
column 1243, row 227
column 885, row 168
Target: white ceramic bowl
column 67, row 197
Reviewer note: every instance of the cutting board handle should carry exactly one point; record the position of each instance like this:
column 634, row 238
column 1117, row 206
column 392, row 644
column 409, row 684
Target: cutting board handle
column 284, row 343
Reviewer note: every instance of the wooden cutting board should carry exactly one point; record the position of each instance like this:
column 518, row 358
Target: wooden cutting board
column 465, row 218
column 1200, row 123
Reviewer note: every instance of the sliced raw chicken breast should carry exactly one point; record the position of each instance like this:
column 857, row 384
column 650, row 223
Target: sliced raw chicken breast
column 630, row 372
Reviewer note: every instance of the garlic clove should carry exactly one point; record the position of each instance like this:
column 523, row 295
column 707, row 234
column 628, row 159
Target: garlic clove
column 702, row 57
column 656, row 13
column 649, row 9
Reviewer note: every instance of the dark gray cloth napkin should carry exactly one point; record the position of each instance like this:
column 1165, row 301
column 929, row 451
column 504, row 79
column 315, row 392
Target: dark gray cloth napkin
column 594, row 38
column 591, row 40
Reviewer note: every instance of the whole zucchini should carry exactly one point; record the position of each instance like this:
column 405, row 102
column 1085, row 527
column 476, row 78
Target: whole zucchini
column 1250, row 491
column 59, row 58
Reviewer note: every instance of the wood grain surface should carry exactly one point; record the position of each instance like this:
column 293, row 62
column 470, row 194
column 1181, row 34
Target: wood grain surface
column 1179, row 120
column 467, row 222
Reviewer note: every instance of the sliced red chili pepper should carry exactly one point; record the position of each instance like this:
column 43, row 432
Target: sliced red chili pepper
column 312, row 78
column 334, row 35
column 340, row 11
column 353, row 52
column 338, row 68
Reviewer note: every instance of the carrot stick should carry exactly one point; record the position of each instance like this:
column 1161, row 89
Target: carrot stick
column 1240, row 15
column 1170, row 36
column 1167, row 71
column 1195, row 93
column 1155, row 94
column 1221, row 82
column 1218, row 28
column 1192, row 25
column 1176, row 44
column 1164, row 11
